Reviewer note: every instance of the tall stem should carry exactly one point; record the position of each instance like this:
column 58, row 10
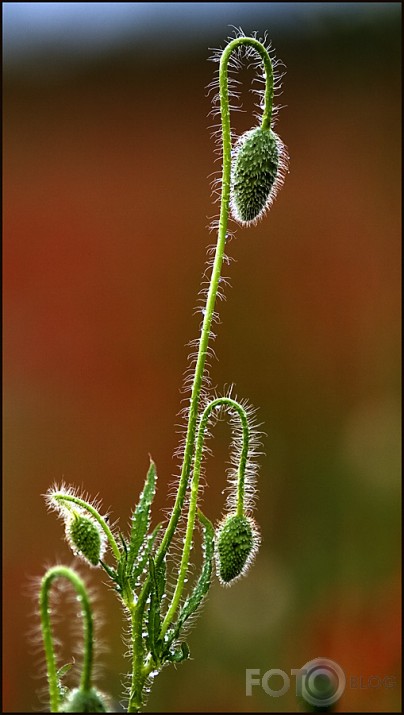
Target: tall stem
column 217, row 264
column 212, row 293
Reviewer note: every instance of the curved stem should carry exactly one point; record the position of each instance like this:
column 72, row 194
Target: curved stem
column 269, row 75
column 61, row 496
column 217, row 265
column 227, row 402
column 47, row 581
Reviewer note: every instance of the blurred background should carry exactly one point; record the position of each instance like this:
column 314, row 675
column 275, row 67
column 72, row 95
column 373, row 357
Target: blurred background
column 107, row 154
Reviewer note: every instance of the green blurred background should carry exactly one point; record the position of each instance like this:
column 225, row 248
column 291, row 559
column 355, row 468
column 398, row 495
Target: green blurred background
column 107, row 203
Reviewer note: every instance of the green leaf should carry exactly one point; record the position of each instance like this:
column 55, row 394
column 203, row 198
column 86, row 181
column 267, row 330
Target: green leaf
column 143, row 555
column 63, row 689
column 141, row 517
column 118, row 575
column 122, row 564
column 201, row 588
column 193, row 601
column 182, row 653
column 63, row 670
column 123, row 542
column 111, row 573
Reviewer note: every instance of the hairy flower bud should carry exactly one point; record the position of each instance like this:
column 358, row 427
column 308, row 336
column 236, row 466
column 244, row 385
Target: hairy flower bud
column 85, row 537
column 255, row 174
column 237, row 541
column 84, row 701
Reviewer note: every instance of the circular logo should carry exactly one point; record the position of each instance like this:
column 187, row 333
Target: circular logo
column 322, row 682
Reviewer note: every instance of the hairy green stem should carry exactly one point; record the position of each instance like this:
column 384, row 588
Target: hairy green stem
column 62, row 496
column 137, row 617
column 135, row 697
column 218, row 261
column 47, row 581
column 140, row 669
column 190, row 448
column 217, row 265
column 232, row 404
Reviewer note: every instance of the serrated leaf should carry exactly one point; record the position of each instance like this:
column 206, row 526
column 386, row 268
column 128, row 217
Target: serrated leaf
column 110, row 571
column 63, row 689
column 141, row 517
column 143, row 555
column 118, row 575
column 122, row 566
column 182, row 653
column 201, row 588
column 63, row 670
column 123, row 542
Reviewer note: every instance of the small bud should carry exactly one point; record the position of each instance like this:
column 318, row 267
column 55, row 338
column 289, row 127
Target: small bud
column 84, row 701
column 85, row 537
column 237, row 541
column 255, row 174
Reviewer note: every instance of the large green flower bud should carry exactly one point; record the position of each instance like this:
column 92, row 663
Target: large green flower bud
column 255, row 174
column 84, row 701
column 237, row 541
column 85, row 537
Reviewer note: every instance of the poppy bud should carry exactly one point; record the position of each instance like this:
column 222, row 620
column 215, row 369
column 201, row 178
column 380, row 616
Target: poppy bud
column 255, row 174
column 85, row 537
column 237, row 541
column 84, row 701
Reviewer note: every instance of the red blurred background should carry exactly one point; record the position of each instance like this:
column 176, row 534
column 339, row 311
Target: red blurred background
column 106, row 209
